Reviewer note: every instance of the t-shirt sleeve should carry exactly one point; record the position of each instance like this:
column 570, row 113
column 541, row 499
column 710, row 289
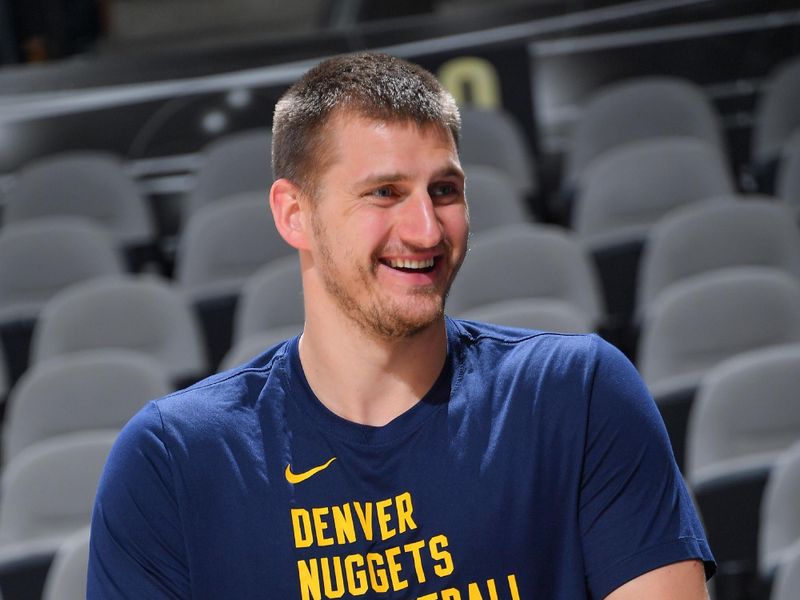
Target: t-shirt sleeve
column 635, row 512
column 137, row 545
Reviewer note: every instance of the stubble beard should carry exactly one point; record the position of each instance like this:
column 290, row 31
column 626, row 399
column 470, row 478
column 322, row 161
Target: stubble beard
column 383, row 319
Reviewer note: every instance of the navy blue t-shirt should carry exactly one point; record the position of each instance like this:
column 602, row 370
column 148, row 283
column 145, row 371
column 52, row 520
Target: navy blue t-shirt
column 536, row 467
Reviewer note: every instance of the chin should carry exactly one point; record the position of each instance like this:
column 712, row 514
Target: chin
column 398, row 325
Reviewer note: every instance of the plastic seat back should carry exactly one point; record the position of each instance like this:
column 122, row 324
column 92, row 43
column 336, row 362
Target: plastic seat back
column 66, row 578
column 142, row 314
column 695, row 325
column 48, row 489
column 780, row 519
column 94, row 185
column 544, row 315
column 209, row 263
column 776, row 117
column 272, row 298
column 697, row 239
column 639, row 109
column 253, row 345
column 746, row 412
column 494, row 199
column 631, row 188
column 493, row 138
column 526, row 261
column 236, row 163
column 39, row 258
column 100, row 389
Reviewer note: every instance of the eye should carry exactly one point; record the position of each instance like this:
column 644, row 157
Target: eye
column 383, row 192
column 443, row 190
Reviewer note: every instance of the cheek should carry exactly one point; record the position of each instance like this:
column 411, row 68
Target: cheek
column 371, row 230
column 455, row 222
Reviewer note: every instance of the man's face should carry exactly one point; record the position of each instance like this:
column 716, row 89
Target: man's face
column 389, row 223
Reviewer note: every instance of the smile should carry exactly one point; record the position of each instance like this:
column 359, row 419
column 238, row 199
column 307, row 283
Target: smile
column 410, row 266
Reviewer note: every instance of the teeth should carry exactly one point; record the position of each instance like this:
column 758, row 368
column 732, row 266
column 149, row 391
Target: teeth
column 400, row 263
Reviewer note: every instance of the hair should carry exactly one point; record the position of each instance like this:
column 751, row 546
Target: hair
column 372, row 85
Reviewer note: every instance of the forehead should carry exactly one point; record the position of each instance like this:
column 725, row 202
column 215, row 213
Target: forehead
column 357, row 142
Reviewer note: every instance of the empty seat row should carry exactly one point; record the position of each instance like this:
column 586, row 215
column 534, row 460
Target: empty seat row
column 41, row 257
column 38, row 259
column 787, row 179
column 551, row 263
column 152, row 316
column 697, row 324
column 710, row 236
column 624, row 192
column 96, row 184
column 90, row 184
column 722, row 232
column 527, row 261
column 639, row 110
column 776, row 117
column 787, row 580
column 646, row 108
column 94, row 389
column 745, row 416
column 141, row 313
column 779, row 532
column 46, row 497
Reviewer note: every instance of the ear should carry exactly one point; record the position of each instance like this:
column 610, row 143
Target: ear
column 287, row 211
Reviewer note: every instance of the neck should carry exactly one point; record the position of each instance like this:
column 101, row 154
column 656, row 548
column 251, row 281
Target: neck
column 366, row 379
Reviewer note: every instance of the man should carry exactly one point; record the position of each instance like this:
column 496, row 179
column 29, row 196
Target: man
column 390, row 451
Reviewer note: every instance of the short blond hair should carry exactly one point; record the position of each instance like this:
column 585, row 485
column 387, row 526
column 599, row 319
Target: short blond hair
column 372, row 85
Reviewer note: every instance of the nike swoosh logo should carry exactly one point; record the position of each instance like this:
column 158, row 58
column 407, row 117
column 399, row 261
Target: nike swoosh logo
column 300, row 477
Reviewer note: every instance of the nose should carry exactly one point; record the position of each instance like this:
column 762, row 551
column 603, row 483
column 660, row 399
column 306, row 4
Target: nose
column 419, row 225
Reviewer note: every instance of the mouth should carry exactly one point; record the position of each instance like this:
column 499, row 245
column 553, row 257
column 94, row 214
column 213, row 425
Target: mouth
column 405, row 265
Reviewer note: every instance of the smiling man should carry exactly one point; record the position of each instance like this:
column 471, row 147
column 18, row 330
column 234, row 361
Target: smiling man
column 389, row 451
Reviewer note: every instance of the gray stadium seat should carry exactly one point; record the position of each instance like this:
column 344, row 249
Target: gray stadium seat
column 272, row 298
column 745, row 415
column 779, row 535
column 777, row 117
column 494, row 199
column 223, row 244
column 88, row 184
column 787, row 187
column 236, row 163
column 47, row 494
column 41, row 257
column 636, row 110
column 48, row 489
column 695, row 325
column 493, row 138
column 100, row 389
column 3, row 375
column 624, row 192
column 143, row 314
column 787, row 582
column 526, row 261
column 253, row 345
column 696, row 239
column 66, row 578
column 544, row 315
column 211, row 270
column 38, row 259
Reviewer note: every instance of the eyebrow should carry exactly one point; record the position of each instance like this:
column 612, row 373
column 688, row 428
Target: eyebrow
column 448, row 171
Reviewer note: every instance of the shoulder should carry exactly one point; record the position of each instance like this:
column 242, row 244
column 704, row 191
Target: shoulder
column 211, row 405
column 238, row 385
column 569, row 367
column 497, row 345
